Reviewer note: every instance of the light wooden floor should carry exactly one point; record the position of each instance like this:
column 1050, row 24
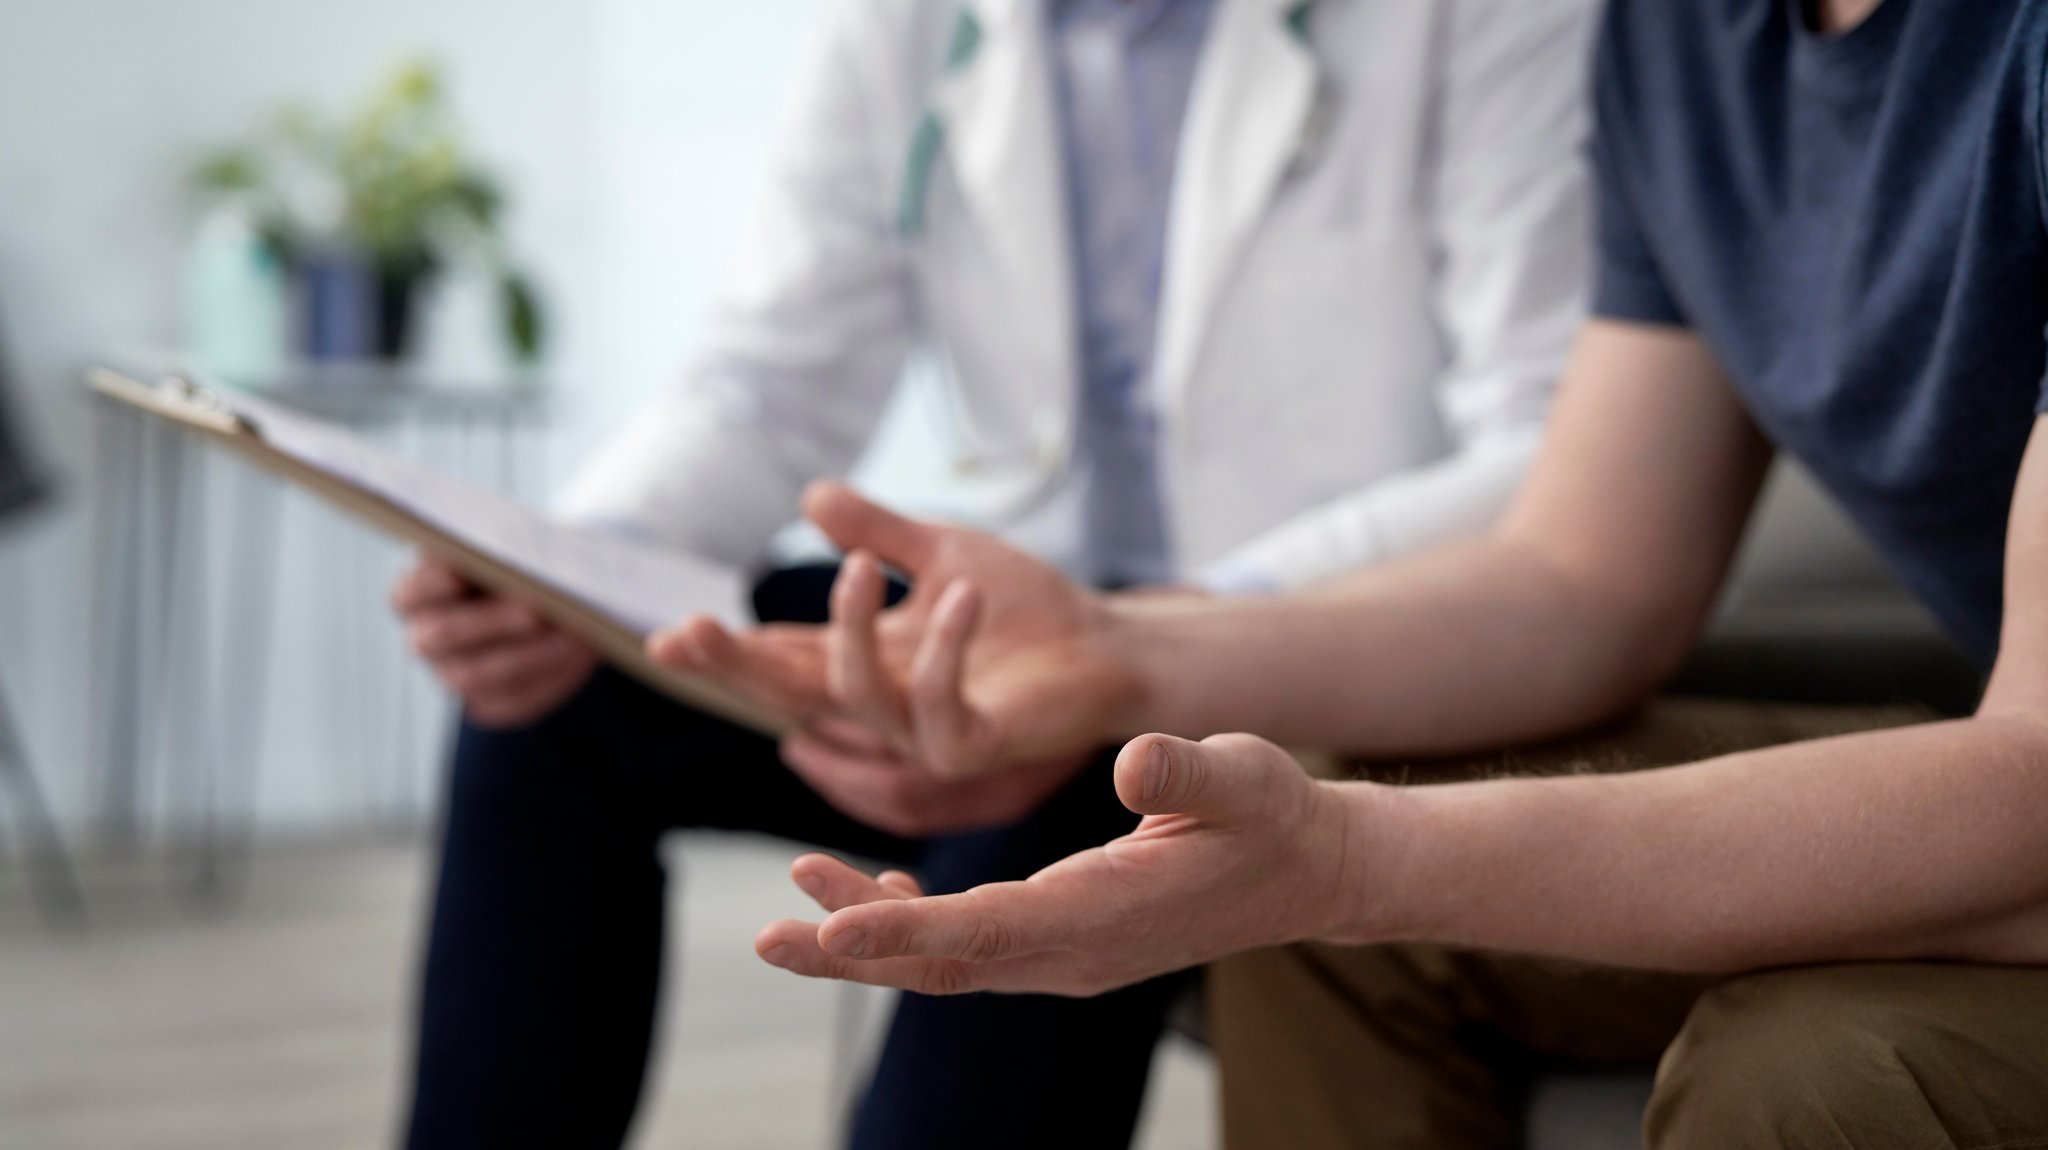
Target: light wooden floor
column 277, row 1023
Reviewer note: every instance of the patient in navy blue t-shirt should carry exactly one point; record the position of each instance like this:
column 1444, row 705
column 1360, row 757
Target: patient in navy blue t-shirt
column 1853, row 223
column 1833, row 241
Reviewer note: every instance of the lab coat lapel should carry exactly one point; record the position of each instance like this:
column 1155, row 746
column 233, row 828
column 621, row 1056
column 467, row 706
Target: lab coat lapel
column 1002, row 137
column 1255, row 90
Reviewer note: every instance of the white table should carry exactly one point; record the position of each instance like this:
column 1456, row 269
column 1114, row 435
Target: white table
column 169, row 627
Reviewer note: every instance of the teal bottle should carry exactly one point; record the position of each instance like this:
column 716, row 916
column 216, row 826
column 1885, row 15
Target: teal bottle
column 235, row 300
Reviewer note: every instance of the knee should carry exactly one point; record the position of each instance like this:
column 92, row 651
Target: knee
column 489, row 759
column 1794, row 1058
column 564, row 749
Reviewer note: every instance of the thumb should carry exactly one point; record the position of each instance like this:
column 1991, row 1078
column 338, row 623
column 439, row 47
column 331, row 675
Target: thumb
column 1222, row 776
column 854, row 523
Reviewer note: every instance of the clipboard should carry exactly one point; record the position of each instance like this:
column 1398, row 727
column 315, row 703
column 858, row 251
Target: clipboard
column 195, row 410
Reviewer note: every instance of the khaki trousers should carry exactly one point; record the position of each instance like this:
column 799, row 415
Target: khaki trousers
column 1419, row 1046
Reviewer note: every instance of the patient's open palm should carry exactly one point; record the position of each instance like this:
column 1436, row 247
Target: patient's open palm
column 1239, row 849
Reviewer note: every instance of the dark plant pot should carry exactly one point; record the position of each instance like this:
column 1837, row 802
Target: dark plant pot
column 355, row 310
column 397, row 293
column 341, row 308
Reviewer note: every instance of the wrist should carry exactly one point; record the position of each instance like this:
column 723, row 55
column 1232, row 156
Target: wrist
column 1136, row 632
column 1375, row 827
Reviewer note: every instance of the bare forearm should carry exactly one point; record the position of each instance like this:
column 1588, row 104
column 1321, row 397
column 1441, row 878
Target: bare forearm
column 1928, row 842
column 1470, row 646
column 1581, row 600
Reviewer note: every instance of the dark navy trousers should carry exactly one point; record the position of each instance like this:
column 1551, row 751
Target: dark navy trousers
column 544, row 953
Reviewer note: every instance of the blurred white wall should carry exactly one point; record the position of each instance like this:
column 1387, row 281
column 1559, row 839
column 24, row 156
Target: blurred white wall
column 688, row 100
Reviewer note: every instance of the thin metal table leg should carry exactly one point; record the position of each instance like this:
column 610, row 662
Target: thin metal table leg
column 141, row 707
column 358, row 653
column 186, row 698
column 161, row 585
column 52, row 876
column 241, row 682
column 405, row 771
column 114, row 744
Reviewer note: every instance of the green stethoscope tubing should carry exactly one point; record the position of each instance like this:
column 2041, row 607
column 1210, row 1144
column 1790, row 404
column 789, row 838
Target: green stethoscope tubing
column 930, row 136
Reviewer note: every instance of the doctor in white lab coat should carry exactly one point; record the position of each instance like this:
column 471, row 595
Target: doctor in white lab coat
column 1368, row 252
column 1375, row 258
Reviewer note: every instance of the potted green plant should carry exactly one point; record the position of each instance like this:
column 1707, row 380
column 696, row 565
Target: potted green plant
column 365, row 209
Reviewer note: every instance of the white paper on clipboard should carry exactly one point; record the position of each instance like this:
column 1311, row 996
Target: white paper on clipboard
column 641, row 586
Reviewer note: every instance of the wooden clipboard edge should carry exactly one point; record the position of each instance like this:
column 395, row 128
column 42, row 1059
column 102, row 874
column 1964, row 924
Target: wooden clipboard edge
column 617, row 643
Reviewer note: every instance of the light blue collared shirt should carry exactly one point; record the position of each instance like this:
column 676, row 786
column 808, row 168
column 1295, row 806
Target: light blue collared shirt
column 1125, row 69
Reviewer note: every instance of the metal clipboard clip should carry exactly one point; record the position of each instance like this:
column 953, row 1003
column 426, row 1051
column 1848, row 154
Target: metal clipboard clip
column 203, row 402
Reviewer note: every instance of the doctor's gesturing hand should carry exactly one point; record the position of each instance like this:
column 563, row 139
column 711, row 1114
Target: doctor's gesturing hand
column 966, row 704
column 1239, row 848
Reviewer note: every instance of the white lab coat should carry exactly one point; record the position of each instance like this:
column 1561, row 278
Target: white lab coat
column 1376, row 258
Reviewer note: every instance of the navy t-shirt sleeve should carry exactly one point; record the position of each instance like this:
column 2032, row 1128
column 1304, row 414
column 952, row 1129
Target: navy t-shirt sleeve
column 1627, row 284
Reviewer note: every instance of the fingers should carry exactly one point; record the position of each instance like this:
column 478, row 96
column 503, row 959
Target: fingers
column 855, row 524
column 904, row 799
column 987, row 924
column 690, row 645
column 857, row 677
column 782, row 666
column 879, row 791
column 848, row 737
column 455, row 626
column 530, row 699
column 700, row 642
column 934, row 720
column 834, row 885
column 506, row 667
column 1219, row 777
column 429, row 582
column 899, row 884
column 793, row 946
column 939, row 711
column 515, row 684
